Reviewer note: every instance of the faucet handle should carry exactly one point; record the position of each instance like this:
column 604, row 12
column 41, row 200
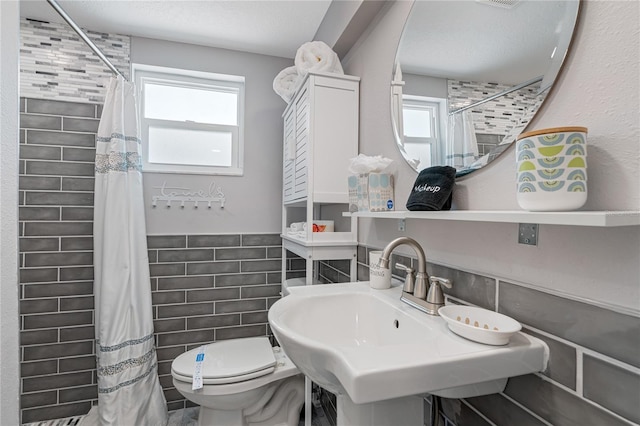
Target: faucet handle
column 405, row 268
column 435, row 296
column 443, row 281
column 409, row 281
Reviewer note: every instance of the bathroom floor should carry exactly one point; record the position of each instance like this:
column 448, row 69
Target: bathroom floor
column 69, row 421
column 184, row 417
column 189, row 417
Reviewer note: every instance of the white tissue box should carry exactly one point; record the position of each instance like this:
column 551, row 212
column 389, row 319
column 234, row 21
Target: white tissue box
column 371, row 192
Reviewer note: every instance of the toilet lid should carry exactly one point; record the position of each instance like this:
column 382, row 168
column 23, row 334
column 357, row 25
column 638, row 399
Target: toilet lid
column 228, row 361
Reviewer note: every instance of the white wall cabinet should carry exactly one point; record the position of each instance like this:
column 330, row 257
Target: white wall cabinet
column 320, row 136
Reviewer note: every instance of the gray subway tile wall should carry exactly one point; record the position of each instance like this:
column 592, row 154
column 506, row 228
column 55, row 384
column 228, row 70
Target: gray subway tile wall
column 556, row 405
column 329, row 406
column 473, row 288
column 60, row 108
column 502, row 411
column 204, row 287
column 611, row 386
column 458, row 412
column 603, row 330
column 56, row 260
column 334, row 271
column 562, row 366
column 201, row 295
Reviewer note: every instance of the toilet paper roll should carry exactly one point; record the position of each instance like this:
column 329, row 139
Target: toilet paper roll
column 379, row 278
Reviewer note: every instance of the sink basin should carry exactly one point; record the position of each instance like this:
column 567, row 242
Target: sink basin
column 365, row 344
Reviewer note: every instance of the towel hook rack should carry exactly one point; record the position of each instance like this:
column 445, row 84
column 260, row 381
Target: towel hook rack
column 169, row 194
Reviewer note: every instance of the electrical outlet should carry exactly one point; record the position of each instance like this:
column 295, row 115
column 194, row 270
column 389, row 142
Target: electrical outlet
column 528, row 234
column 401, row 225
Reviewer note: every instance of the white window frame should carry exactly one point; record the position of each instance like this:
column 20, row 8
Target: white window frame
column 191, row 79
column 438, row 125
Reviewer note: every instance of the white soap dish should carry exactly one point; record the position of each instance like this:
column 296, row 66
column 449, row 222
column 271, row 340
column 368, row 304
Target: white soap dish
column 480, row 325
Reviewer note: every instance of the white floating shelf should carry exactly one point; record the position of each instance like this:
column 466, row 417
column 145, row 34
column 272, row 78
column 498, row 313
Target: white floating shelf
column 578, row 218
column 321, row 250
column 328, row 239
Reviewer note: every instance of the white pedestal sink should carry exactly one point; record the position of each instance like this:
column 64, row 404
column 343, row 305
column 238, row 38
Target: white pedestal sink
column 378, row 355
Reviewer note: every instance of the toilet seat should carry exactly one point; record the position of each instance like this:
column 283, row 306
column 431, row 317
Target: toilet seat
column 228, row 361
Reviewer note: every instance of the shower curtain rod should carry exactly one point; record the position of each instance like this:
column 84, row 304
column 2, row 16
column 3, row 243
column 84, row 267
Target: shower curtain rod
column 84, row 37
column 497, row 95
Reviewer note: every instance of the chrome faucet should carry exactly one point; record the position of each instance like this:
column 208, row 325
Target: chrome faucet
column 420, row 287
column 414, row 291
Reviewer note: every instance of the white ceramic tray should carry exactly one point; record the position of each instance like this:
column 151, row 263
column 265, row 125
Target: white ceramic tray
column 480, row 325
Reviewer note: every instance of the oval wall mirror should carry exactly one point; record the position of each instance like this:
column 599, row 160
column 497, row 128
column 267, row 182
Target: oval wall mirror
column 470, row 75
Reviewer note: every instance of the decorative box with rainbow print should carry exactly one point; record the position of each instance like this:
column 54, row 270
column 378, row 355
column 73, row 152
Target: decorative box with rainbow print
column 552, row 169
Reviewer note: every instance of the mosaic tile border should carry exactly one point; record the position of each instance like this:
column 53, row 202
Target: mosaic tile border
column 56, row 64
column 496, row 117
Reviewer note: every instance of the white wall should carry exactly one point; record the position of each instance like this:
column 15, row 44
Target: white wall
column 9, row 327
column 598, row 88
column 336, row 20
column 422, row 85
column 253, row 201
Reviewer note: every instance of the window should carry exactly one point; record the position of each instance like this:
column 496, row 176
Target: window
column 191, row 122
column 421, row 124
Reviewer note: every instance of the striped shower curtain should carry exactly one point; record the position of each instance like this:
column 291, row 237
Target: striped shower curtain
column 129, row 391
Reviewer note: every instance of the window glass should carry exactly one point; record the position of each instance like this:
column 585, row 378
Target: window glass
column 188, row 146
column 190, row 122
column 420, row 151
column 418, row 122
column 165, row 102
column 421, row 125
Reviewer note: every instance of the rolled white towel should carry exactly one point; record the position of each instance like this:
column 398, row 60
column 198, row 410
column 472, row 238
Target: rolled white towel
column 296, row 234
column 298, row 226
column 317, row 56
column 285, row 83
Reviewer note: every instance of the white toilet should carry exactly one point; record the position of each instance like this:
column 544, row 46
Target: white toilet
column 246, row 382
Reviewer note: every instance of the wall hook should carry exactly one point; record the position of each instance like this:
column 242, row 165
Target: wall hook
column 213, row 194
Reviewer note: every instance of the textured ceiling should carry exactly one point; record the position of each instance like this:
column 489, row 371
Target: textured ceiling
column 269, row 27
column 462, row 39
column 475, row 40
